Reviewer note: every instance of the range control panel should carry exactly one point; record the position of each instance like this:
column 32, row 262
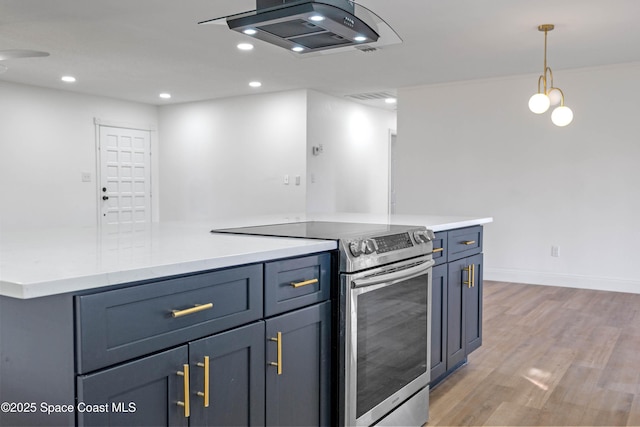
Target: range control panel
column 389, row 243
column 393, row 242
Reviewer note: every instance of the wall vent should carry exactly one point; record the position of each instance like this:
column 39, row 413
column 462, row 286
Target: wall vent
column 366, row 48
column 371, row 96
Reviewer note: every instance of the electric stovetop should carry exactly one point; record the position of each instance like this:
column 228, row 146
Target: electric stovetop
column 318, row 230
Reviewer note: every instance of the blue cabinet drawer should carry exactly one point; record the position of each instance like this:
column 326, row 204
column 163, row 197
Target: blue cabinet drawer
column 464, row 242
column 297, row 282
column 440, row 248
column 122, row 324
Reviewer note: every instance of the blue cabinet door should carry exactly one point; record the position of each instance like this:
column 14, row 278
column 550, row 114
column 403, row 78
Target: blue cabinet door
column 456, row 315
column 473, row 305
column 298, row 367
column 234, row 391
column 144, row 392
column 439, row 321
column 464, row 328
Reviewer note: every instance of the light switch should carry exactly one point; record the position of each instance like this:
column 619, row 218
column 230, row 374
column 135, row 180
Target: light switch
column 286, row 180
column 297, row 179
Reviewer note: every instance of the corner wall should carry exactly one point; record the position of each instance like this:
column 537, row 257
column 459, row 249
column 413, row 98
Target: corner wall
column 474, row 148
column 352, row 172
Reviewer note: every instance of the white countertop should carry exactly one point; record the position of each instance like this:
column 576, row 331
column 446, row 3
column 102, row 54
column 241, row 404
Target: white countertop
column 45, row 262
column 49, row 261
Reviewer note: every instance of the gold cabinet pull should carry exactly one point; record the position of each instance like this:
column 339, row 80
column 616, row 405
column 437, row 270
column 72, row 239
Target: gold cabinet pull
column 469, row 242
column 468, row 282
column 195, row 309
column 185, row 382
column 205, row 394
column 278, row 340
column 305, row 283
column 473, row 273
column 436, row 250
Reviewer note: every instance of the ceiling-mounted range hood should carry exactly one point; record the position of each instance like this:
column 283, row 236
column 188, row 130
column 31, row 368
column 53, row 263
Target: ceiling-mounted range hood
column 309, row 26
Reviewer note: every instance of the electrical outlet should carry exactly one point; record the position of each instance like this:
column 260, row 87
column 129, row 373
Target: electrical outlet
column 86, row 176
column 555, row 251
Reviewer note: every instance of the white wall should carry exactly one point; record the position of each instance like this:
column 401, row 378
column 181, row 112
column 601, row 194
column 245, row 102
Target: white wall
column 47, row 139
column 352, row 172
column 475, row 149
column 228, row 157
column 213, row 159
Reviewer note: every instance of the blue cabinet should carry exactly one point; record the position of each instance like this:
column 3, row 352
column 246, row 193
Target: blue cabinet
column 227, row 378
column 253, row 348
column 299, row 363
column 132, row 393
column 456, row 318
column 439, row 315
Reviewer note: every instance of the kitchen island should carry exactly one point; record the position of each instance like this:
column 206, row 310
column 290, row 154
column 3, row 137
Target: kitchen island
column 73, row 304
column 95, row 325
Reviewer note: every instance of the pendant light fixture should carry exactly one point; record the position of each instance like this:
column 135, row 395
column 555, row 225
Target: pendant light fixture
column 548, row 94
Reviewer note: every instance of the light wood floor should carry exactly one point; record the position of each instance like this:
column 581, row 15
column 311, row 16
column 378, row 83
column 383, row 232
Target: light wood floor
column 550, row 356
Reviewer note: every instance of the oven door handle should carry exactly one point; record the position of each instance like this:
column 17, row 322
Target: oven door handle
column 395, row 276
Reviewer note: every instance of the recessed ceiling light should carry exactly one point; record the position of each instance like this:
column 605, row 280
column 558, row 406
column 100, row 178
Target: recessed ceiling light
column 250, row 31
column 297, row 49
column 165, row 95
column 316, row 18
column 255, row 84
column 245, row 46
column 68, row 79
column 391, row 100
column 359, row 38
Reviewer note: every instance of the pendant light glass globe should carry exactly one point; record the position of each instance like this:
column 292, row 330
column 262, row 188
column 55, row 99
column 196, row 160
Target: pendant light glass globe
column 555, row 96
column 562, row 116
column 539, row 103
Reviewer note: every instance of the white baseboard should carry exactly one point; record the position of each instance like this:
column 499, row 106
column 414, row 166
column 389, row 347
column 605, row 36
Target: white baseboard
column 565, row 280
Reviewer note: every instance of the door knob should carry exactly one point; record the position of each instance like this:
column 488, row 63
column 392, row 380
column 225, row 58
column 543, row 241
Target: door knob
column 105, row 197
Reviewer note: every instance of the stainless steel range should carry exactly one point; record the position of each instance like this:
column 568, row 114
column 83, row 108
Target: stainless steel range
column 383, row 318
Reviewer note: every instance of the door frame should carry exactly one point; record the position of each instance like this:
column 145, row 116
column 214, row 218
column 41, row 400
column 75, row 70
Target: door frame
column 393, row 141
column 98, row 122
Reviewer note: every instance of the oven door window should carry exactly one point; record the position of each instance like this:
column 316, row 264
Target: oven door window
column 391, row 340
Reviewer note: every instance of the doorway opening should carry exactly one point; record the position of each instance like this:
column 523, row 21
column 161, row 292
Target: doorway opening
column 392, row 171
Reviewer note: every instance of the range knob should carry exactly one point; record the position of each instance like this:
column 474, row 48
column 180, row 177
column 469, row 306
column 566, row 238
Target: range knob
column 423, row 236
column 370, row 246
column 357, row 247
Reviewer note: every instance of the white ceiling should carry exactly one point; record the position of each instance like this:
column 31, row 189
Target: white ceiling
column 135, row 49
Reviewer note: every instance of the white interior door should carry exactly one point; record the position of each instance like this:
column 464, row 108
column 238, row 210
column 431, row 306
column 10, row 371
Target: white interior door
column 125, row 176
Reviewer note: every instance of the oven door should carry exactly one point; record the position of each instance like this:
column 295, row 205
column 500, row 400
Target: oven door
column 387, row 338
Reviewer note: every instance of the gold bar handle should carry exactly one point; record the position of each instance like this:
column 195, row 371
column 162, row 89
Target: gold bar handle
column 473, row 273
column 195, row 309
column 305, row 283
column 469, row 242
column 185, row 382
column 278, row 340
column 205, row 394
column 436, row 250
column 468, row 282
